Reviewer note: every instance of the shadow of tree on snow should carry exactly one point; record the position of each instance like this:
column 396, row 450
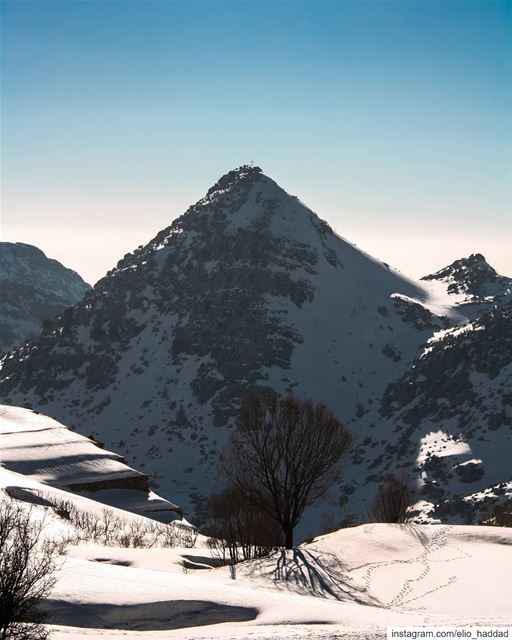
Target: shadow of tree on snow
column 321, row 574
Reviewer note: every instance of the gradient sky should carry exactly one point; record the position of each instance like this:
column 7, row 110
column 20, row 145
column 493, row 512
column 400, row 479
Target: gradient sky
column 392, row 120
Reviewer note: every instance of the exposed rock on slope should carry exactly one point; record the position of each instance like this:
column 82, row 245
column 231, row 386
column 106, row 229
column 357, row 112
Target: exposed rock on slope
column 248, row 288
column 472, row 281
column 453, row 410
column 33, row 289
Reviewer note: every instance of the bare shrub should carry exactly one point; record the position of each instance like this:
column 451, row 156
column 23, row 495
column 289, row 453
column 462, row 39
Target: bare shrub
column 27, row 565
column 186, row 535
column 168, row 536
column 498, row 515
column 154, row 533
column 328, row 523
column 393, row 501
column 142, row 534
column 109, row 529
column 87, row 525
column 219, row 549
column 110, row 526
column 284, row 455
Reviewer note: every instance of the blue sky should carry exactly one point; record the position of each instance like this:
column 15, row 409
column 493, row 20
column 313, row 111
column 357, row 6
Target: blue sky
column 392, row 120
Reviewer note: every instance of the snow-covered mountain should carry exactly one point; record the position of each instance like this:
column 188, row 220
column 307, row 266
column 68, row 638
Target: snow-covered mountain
column 249, row 288
column 33, row 288
column 473, row 284
column 39, row 455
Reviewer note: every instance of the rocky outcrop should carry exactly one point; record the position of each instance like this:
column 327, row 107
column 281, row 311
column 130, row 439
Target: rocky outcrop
column 458, row 391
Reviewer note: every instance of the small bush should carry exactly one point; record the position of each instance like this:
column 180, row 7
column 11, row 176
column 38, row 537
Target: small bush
column 393, row 501
column 499, row 515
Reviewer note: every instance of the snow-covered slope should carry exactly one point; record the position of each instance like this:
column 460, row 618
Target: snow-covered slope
column 33, row 288
column 248, row 288
column 351, row 583
column 38, row 450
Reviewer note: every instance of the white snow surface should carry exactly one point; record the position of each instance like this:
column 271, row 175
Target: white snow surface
column 351, row 583
column 354, row 581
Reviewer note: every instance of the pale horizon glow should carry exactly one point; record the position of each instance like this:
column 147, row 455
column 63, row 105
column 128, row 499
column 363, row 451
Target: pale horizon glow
column 391, row 120
column 414, row 252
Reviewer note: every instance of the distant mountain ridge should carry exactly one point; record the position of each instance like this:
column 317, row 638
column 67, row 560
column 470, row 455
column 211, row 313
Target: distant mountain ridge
column 475, row 280
column 33, row 288
column 248, row 289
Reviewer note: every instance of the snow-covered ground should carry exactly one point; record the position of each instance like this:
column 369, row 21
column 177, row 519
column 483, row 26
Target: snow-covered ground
column 354, row 581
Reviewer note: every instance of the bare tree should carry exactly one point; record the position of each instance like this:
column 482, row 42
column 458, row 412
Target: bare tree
column 239, row 528
column 284, row 455
column 393, row 501
column 27, row 562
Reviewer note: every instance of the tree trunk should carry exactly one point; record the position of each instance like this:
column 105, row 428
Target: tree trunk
column 288, row 537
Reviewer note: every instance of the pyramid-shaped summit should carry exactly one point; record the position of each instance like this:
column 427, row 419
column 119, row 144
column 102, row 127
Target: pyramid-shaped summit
column 249, row 288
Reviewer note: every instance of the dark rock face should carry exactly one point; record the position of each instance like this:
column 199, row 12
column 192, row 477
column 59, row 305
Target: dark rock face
column 418, row 315
column 33, row 289
column 474, row 277
column 443, row 372
column 470, row 472
column 133, row 482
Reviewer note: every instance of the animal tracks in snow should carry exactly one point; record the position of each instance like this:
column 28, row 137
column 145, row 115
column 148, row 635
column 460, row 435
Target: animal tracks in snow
column 435, row 550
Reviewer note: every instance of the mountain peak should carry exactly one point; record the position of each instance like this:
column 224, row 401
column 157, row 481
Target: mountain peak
column 475, row 261
column 239, row 173
column 243, row 173
column 471, row 270
column 472, row 276
column 248, row 289
column 477, row 257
